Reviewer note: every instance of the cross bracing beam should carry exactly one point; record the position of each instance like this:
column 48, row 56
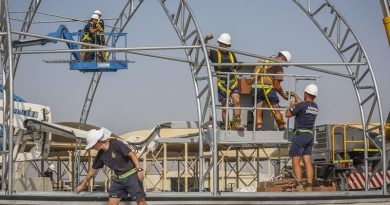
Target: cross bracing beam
column 350, row 49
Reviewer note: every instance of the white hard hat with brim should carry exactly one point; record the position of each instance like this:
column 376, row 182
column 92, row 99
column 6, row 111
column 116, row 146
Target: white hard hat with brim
column 52, row 167
column 94, row 136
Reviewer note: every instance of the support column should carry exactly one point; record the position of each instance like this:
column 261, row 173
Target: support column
column 164, row 184
column 91, row 182
column 257, row 166
column 237, row 169
column 58, row 173
column 145, row 166
column 186, row 174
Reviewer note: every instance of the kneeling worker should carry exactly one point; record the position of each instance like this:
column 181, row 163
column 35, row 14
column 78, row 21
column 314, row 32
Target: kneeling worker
column 305, row 113
column 117, row 156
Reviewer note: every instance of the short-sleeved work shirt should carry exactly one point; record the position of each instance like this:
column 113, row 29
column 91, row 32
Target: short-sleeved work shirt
column 116, row 157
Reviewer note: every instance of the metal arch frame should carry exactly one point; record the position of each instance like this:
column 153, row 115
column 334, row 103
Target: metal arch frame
column 344, row 43
column 7, row 72
column 188, row 31
column 124, row 17
column 32, row 9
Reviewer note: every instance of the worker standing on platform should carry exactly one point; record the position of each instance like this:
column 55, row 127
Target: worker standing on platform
column 117, row 156
column 89, row 33
column 225, row 92
column 267, row 86
column 49, row 173
column 100, row 40
column 305, row 113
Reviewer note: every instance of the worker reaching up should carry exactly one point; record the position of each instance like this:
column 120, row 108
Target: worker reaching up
column 305, row 113
column 226, row 87
column 267, row 87
column 89, row 33
column 100, row 40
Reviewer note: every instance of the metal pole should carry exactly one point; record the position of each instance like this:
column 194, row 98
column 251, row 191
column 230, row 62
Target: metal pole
column 98, row 46
column 266, row 58
column 105, row 49
column 283, row 64
column 186, row 167
column 301, row 66
column 8, row 101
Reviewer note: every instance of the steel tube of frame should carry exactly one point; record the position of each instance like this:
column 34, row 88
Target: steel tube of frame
column 267, row 58
column 385, row 8
column 285, row 64
column 106, row 49
column 9, row 102
column 98, row 46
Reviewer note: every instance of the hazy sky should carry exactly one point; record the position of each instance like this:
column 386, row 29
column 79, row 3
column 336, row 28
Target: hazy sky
column 154, row 90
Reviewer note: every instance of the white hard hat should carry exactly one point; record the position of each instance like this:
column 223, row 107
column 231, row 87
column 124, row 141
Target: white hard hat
column 94, row 136
column 312, row 89
column 97, row 12
column 225, row 38
column 287, row 55
column 52, row 167
column 95, row 16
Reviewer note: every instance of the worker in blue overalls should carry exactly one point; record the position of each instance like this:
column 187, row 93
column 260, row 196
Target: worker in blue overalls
column 305, row 113
column 226, row 87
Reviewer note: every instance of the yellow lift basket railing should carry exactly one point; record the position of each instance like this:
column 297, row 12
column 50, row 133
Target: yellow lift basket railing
column 345, row 141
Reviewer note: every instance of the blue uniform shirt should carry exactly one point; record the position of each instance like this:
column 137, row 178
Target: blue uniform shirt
column 305, row 115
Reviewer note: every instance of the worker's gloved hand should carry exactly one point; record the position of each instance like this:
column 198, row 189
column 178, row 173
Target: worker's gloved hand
column 291, row 93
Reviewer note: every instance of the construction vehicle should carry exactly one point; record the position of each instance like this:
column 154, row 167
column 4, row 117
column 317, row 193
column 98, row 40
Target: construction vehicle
column 339, row 155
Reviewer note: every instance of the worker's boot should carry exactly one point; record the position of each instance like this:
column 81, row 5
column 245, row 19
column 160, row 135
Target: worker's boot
column 299, row 188
column 308, row 187
column 238, row 125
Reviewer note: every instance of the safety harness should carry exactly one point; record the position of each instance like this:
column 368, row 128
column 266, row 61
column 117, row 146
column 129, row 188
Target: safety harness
column 129, row 173
column 267, row 88
column 86, row 37
column 222, row 83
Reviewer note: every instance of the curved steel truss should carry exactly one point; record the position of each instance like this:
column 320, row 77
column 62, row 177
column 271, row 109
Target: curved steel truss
column 188, row 31
column 350, row 49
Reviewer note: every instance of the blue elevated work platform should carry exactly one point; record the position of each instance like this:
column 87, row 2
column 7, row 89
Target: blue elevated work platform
column 93, row 64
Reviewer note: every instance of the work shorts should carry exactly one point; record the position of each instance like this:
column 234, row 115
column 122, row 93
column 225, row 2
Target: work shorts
column 272, row 96
column 129, row 186
column 222, row 94
column 301, row 144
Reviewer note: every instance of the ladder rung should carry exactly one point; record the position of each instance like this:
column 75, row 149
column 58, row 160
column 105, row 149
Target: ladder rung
column 362, row 150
